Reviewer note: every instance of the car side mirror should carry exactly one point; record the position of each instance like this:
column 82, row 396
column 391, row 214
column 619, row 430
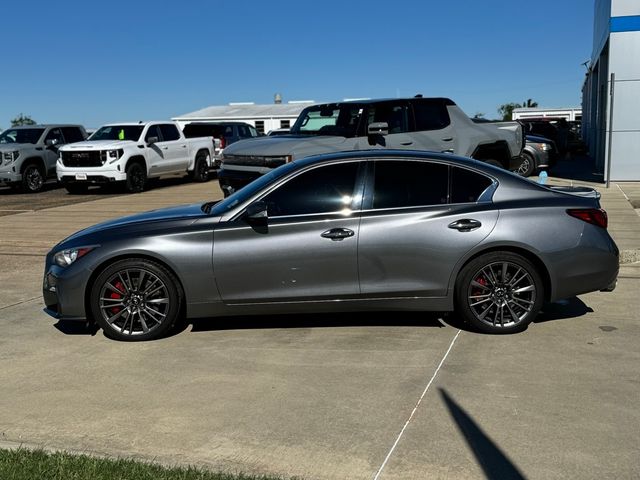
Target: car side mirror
column 378, row 128
column 152, row 140
column 257, row 212
column 51, row 142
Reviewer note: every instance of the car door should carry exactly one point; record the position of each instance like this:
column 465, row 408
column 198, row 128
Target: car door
column 175, row 148
column 433, row 130
column 419, row 218
column 157, row 152
column 52, row 143
column 397, row 116
column 308, row 249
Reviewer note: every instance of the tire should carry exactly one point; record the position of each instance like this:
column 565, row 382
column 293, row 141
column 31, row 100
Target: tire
column 136, row 177
column 493, row 305
column 33, row 178
column 76, row 189
column 200, row 171
column 136, row 300
column 528, row 165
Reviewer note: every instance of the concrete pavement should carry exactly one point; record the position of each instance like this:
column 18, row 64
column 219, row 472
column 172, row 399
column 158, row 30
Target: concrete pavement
column 318, row 397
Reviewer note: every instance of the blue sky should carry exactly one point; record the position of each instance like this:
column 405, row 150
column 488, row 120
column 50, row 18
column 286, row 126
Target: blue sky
column 97, row 62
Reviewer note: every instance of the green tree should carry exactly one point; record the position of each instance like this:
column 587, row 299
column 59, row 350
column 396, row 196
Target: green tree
column 22, row 119
column 506, row 109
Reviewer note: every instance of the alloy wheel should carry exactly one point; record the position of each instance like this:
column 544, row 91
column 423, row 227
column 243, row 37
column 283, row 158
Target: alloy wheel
column 34, row 178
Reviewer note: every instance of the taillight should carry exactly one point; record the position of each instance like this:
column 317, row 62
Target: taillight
column 594, row 216
column 223, row 142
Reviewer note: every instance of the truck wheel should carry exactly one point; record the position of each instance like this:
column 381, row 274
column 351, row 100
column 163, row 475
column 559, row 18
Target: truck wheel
column 76, row 189
column 136, row 177
column 32, row 178
column 528, row 165
column 200, row 171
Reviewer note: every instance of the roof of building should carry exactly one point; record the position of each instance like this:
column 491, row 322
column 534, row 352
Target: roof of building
column 247, row 111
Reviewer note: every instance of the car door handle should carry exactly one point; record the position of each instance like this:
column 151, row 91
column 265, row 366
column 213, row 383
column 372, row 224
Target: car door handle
column 183, row 146
column 448, row 150
column 337, row 234
column 465, row 225
column 165, row 148
column 448, row 139
column 406, row 144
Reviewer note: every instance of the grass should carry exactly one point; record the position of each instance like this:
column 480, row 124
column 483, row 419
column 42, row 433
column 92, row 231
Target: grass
column 25, row 464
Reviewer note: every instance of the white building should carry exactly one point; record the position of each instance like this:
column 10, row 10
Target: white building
column 611, row 110
column 264, row 117
column 568, row 113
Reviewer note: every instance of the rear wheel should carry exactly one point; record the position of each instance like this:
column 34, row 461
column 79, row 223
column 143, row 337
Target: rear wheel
column 527, row 166
column 200, row 171
column 499, row 292
column 136, row 299
column 33, row 178
column 136, row 177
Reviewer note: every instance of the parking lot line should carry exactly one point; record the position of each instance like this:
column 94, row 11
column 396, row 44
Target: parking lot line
column 415, row 408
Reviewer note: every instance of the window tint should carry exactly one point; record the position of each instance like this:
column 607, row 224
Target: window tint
column 153, row 131
column 467, row 186
column 395, row 114
column 72, row 134
column 430, row 115
column 252, row 131
column 410, row 184
column 228, row 131
column 321, row 190
column 169, row 132
column 243, row 131
column 55, row 134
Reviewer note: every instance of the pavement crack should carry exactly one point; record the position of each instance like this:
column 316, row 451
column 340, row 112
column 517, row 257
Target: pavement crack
column 20, row 303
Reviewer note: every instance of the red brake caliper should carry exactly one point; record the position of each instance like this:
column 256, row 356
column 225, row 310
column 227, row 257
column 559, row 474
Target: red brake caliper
column 117, row 296
column 481, row 281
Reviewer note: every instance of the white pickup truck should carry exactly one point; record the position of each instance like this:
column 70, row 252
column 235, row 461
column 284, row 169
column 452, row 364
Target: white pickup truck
column 133, row 153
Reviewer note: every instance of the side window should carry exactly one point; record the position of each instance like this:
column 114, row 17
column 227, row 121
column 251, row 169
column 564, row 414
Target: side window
column 253, row 132
column 72, row 134
column 228, row 131
column 400, row 184
column 467, row 186
column 243, row 131
column 153, row 131
column 430, row 115
column 169, row 132
column 55, row 134
column 321, row 190
column 395, row 114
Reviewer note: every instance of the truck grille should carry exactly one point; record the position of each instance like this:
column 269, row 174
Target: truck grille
column 246, row 160
column 94, row 158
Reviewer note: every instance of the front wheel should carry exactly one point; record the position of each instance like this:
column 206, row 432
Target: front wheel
column 136, row 177
column 499, row 292
column 136, row 299
column 32, row 179
column 527, row 166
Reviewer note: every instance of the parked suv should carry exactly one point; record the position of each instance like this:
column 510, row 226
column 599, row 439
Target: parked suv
column 224, row 134
column 433, row 124
column 539, row 153
column 28, row 154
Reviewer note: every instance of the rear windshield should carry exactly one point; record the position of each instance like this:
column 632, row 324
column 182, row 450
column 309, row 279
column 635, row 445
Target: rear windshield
column 194, row 130
column 118, row 132
column 21, row 135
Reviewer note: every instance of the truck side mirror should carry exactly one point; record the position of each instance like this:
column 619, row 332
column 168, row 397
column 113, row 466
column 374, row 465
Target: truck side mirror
column 51, row 142
column 378, row 128
column 152, row 140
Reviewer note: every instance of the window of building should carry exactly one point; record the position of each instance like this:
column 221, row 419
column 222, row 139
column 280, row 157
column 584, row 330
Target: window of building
column 260, row 126
column 285, row 123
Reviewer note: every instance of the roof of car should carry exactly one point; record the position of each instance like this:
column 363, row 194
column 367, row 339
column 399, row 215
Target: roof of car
column 368, row 101
column 48, row 125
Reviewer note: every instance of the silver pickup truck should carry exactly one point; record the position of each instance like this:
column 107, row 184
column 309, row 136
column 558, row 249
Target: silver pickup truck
column 433, row 124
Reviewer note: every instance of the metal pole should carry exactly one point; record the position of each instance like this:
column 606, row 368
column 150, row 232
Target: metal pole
column 611, row 96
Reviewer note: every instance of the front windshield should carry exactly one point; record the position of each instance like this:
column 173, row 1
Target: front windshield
column 248, row 191
column 118, row 132
column 337, row 119
column 21, row 135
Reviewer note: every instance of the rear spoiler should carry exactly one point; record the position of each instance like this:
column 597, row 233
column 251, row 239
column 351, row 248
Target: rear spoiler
column 586, row 192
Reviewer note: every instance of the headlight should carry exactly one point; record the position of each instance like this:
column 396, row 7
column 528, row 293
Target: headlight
column 64, row 258
column 273, row 162
column 115, row 154
column 11, row 156
column 545, row 147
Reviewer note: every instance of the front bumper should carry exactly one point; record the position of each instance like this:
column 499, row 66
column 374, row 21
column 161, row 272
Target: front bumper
column 9, row 176
column 89, row 175
column 63, row 290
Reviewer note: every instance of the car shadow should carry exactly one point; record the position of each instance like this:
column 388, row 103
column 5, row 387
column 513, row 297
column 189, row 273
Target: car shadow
column 314, row 320
column 74, row 327
column 581, row 168
column 563, row 310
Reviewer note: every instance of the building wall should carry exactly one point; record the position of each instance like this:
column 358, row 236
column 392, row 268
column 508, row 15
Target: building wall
column 616, row 49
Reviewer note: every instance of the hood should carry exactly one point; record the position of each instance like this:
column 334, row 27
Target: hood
column 97, row 145
column 187, row 213
column 287, row 145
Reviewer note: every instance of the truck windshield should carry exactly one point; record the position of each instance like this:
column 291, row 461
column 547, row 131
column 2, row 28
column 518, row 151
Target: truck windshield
column 118, row 132
column 336, row 119
column 21, row 135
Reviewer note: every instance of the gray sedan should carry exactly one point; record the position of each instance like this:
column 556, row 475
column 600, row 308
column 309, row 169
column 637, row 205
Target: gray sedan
column 367, row 230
